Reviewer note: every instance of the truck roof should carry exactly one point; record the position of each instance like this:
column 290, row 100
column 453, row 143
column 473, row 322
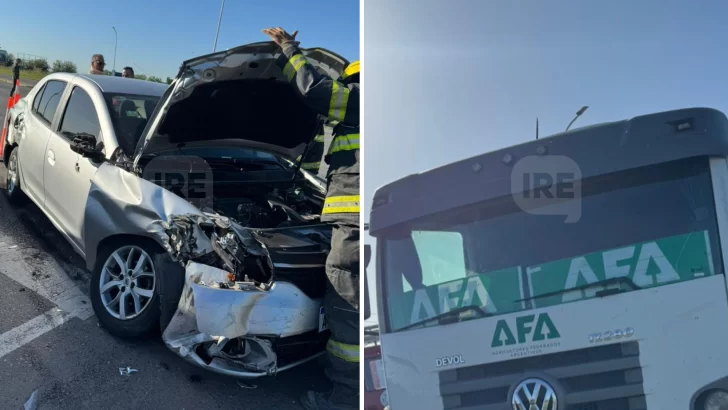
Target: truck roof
column 598, row 149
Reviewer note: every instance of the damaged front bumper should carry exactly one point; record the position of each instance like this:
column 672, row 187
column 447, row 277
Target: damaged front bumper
column 243, row 331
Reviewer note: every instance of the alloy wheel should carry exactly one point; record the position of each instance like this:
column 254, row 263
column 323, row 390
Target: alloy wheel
column 12, row 172
column 127, row 282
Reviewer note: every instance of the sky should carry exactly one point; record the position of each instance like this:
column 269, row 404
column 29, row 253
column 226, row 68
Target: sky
column 447, row 80
column 155, row 36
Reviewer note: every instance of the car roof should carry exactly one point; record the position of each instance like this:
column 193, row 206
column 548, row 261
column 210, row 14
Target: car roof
column 120, row 85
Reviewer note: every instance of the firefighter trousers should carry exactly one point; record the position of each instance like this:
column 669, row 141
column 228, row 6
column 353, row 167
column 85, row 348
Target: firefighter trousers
column 341, row 306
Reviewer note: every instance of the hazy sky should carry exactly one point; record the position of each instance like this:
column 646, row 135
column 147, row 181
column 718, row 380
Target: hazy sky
column 447, row 80
column 155, row 36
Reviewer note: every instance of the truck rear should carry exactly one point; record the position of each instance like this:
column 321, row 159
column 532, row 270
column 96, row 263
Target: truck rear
column 584, row 271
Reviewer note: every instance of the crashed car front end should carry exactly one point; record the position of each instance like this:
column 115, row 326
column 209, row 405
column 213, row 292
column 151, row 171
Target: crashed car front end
column 247, row 302
column 247, row 271
column 234, row 316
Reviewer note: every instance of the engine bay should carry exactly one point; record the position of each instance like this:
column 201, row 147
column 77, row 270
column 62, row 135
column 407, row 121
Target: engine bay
column 260, row 194
column 265, row 206
column 258, row 222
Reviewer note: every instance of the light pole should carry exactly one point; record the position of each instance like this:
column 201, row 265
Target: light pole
column 219, row 20
column 116, row 41
column 578, row 114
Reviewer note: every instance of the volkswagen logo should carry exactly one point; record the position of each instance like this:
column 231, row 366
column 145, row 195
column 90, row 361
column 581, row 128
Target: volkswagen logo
column 534, row 394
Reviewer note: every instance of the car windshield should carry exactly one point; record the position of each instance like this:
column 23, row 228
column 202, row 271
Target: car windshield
column 652, row 226
column 129, row 115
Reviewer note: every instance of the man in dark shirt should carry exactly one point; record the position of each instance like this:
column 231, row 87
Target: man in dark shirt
column 16, row 75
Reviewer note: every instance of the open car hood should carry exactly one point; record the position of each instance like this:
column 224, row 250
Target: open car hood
column 238, row 98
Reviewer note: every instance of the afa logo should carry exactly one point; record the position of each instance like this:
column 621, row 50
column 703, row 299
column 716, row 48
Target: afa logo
column 529, row 328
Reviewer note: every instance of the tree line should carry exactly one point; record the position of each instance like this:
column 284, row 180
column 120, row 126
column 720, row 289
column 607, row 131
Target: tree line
column 59, row 66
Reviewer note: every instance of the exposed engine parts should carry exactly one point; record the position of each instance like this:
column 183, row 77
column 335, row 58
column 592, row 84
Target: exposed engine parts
column 253, row 257
column 254, row 251
column 220, row 242
column 281, row 208
column 255, row 194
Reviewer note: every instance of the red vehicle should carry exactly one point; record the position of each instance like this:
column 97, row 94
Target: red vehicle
column 375, row 391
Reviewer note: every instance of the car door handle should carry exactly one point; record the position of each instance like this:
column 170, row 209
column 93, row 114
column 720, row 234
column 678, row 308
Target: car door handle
column 51, row 157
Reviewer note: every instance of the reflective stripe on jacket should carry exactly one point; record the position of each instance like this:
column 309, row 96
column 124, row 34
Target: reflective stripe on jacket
column 346, row 352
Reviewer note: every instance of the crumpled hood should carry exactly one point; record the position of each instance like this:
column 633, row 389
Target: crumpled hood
column 236, row 98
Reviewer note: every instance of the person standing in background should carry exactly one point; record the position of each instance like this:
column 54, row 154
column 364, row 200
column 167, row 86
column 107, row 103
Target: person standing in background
column 16, row 75
column 127, row 72
column 97, row 64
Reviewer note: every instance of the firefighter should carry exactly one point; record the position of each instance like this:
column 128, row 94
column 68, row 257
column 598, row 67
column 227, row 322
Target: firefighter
column 337, row 100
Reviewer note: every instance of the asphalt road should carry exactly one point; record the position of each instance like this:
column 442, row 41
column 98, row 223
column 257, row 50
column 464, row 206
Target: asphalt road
column 75, row 364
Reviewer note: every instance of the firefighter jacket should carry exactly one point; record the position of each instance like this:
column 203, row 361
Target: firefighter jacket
column 314, row 153
column 338, row 102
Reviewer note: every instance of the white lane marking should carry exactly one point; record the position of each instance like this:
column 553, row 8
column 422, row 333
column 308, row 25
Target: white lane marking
column 50, row 282
column 47, row 279
column 32, row 329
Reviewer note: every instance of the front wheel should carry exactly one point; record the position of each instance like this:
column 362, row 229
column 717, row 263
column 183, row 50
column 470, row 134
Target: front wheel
column 12, row 180
column 124, row 289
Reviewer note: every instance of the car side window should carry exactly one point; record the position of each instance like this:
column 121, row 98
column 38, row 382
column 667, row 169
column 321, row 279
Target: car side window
column 80, row 115
column 38, row 96
column 50, row 99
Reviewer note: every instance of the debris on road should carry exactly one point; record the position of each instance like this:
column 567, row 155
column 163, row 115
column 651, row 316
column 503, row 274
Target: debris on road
column 127, row 372
column 247, row 385
column 32, row 403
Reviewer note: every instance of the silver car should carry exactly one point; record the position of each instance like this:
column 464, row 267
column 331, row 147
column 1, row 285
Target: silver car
column 187, row 203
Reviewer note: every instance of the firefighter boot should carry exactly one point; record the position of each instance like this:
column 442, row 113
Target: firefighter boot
column 339, row 398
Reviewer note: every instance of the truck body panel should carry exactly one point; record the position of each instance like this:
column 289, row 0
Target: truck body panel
column 691, row 331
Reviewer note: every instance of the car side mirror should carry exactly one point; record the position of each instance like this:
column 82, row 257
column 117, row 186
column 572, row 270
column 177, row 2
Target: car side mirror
column 87, row 146
column 367, row 302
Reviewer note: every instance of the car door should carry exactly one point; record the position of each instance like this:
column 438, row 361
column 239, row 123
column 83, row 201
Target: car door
column 67, row 179
column 37, row 130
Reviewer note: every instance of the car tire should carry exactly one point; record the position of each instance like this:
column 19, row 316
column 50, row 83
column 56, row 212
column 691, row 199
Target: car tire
column 171, row 285
column 134, row 285
column 13, row 191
